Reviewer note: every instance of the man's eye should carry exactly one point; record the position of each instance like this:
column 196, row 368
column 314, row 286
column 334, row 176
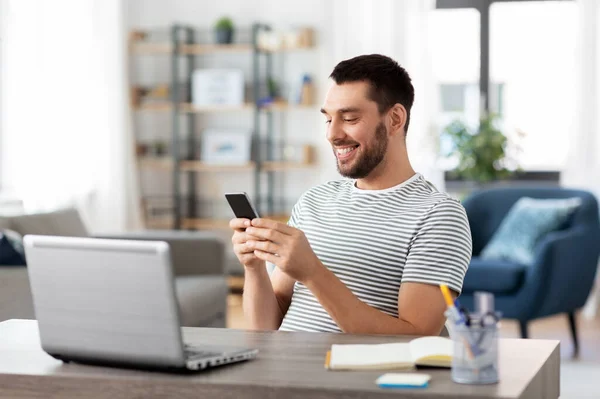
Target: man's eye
column 350, row 120
column 328, row 121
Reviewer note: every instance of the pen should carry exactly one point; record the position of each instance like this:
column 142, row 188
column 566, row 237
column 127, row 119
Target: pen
column 458, row 319
column 457, row 303
column 463, row 311
column 489, row 318
column 454, row 313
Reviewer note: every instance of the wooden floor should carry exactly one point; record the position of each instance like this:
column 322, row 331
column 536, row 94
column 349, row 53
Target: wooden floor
column 555, row 327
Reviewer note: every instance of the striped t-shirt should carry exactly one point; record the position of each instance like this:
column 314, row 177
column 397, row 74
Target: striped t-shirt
column 375, row 240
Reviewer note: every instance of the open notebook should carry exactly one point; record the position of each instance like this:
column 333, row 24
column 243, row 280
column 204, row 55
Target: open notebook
column 424, row 351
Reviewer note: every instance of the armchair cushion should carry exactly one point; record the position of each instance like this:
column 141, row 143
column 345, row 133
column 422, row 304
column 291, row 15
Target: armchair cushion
column 527, row 221
column 496, row 276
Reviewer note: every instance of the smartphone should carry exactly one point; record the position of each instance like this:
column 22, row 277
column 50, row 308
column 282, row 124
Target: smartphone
column 241, row 206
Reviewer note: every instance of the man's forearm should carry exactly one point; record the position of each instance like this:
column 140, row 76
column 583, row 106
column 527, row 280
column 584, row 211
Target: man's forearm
column 261, row 308
column 350, row 313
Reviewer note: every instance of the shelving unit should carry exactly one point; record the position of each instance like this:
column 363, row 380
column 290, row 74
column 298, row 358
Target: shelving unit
column 183, row 51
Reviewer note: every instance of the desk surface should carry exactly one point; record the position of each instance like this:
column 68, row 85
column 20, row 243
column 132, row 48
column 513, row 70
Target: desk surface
column 289, row 365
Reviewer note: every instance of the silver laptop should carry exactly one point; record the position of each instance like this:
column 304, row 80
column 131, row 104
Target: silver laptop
column 112, row 302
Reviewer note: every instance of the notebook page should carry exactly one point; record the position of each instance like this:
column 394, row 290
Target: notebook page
column 431, row 350
column 370, row 356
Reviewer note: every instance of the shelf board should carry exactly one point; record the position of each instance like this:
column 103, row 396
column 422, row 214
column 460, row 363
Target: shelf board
column 286, row 107
column 201, row 224
column 140, row 47
column 154, row 106
column 157, row 48
column 235, row 284
column 282, row 218
column 165, row 163
column 198, row 49
column 190, row 108
column 159, row 223
column 272, row 166
column 199, row 166
column 161, row 163
column 222, row 224
column 285, row 49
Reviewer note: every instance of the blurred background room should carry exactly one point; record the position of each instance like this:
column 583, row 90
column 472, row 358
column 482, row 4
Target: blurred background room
column 134, row 117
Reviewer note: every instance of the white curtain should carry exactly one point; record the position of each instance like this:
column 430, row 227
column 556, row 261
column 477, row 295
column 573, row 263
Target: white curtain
column 66, row 124
column 583, row 163
column 398, row 29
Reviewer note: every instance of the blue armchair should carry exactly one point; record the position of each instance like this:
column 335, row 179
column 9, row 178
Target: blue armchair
column 562, row 275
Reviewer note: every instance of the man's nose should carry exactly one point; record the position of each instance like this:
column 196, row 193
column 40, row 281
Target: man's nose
column 335, row 131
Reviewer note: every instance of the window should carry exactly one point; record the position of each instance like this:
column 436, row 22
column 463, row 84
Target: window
column 455, row 57
column 532, row 52
column 455, row 60
column 514, row 58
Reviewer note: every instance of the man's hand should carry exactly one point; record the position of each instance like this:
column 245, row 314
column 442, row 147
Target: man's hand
column 284, row 246
column 240, row 239
column 266, row 298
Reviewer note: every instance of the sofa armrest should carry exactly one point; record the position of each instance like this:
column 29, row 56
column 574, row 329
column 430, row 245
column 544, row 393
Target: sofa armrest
column 192, row 252
column 15, row 293
column 564, row 269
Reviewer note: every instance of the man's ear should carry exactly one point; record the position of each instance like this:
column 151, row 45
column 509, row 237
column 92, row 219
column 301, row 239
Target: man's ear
column 398, row 116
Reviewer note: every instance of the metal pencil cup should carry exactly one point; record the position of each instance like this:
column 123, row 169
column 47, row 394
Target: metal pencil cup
column 475, row 357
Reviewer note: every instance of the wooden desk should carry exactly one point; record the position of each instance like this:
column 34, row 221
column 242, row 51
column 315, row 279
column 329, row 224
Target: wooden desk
column 290, row 365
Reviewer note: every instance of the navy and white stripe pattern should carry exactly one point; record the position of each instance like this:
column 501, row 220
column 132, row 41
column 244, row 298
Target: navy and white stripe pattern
column 374, row 240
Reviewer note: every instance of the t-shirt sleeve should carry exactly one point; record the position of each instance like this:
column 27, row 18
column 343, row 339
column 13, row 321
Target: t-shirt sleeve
column 294, row 220
column 441, row 249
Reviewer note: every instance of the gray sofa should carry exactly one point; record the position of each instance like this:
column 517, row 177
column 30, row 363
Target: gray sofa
column 198, row 266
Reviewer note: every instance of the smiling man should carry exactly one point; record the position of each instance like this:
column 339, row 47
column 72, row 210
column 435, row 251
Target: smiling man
column 365, row 254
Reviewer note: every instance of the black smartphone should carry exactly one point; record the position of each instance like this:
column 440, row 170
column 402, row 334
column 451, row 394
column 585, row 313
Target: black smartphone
column 241, row 206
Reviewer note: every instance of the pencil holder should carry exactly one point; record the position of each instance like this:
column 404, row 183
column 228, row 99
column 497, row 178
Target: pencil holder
column 475, row 356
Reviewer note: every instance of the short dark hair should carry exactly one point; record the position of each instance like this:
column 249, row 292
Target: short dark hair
column 390, row 83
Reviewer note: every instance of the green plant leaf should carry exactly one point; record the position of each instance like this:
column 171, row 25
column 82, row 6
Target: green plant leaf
column 224, row 23
column 481, row 152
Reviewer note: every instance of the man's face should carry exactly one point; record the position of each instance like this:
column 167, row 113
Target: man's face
column 355, row 129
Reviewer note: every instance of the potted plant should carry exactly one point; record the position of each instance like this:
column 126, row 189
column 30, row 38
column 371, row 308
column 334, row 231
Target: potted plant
column 272, row 88
column 159, row 148
column 224, row 31
column 481, row 152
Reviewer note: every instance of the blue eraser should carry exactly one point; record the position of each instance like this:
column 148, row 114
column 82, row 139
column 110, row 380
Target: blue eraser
column 403, row 380
column 403, row 386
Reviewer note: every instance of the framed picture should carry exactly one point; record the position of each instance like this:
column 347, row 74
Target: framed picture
column 213, row 87
column 226, row 147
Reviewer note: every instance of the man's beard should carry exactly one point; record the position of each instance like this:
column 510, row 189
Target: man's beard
column 368, row 157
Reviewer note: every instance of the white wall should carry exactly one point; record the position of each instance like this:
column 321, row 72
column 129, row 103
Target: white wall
column 302, row 126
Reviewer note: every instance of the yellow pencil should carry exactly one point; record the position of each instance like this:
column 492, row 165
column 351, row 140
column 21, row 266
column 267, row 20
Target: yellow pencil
column 447, row 296
column 456, row 318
